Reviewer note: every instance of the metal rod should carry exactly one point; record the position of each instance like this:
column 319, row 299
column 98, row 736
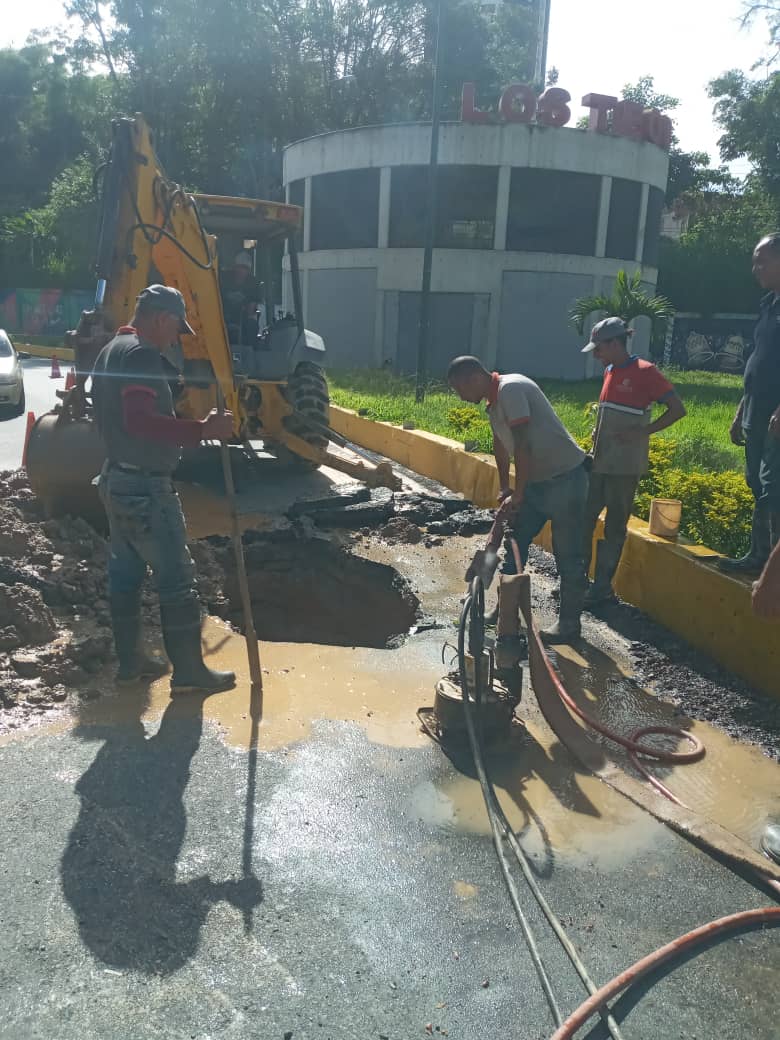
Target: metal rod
column 295, row 274
column 253, row 655
column 424, row 331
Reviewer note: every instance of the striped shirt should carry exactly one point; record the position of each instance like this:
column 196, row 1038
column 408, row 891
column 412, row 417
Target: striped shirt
column 627, row 396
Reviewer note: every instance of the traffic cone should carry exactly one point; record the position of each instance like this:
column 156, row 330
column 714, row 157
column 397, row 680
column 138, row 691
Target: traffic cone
column 27, row 432
column 55, row 368
column 70, row 379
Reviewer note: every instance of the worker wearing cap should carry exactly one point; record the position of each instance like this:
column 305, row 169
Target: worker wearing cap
column 550, row 479
column 133, row 407
column 620, row 444
column 240, row 293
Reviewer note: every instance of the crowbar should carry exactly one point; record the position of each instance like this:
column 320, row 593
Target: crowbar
column 253, row 654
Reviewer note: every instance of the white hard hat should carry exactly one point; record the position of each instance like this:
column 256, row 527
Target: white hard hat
column 243, row 259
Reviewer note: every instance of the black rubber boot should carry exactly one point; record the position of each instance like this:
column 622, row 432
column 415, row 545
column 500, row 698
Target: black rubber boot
column 181, row 635
column 755, row 558
column 607, row 559
column 567, row 627
column 134, row 664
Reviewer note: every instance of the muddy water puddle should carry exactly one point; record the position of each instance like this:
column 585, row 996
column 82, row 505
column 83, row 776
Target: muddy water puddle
column 734, row 784
column 302, row 684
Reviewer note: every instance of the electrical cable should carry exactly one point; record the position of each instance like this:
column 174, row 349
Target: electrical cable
column 508, row 879
column 473, row 611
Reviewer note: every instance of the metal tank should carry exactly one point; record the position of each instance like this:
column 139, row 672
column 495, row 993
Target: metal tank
column 64, row 456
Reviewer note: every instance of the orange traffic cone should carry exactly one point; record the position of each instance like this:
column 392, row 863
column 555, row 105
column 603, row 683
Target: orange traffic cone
column 55, row 368
column 70, row 379
column 27, row 432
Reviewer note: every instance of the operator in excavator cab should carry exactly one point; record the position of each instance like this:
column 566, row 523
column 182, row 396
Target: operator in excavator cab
column 133, row 409
column 240, row 293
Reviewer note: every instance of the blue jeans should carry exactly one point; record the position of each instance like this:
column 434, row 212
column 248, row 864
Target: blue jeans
column 147, row 529
column 562, row 502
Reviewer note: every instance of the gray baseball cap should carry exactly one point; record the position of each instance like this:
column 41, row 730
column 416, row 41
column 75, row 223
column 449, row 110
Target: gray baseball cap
column 167, row 299
column 609, row 328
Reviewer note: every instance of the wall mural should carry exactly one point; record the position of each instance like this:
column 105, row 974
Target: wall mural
column 43, row 312
column 718, row 344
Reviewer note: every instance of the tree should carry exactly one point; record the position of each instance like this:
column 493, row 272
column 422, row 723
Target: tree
column 689, row 172
column 748, row 110
column 770, row 10
column 708, row 270
column 628, row 300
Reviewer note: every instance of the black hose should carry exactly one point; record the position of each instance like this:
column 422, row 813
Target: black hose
column 484, row 782
column 472, row 615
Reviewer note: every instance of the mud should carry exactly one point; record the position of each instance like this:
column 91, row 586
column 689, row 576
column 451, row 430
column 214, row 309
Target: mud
column 310, row 590
column 671, row 668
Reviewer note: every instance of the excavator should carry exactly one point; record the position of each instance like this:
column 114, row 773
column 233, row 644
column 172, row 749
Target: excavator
column 151, row 230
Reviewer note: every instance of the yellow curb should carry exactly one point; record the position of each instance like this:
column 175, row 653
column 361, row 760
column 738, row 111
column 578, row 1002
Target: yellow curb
column 673, row 583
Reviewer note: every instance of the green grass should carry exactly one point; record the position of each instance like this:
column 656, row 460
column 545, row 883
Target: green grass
column 702, row 437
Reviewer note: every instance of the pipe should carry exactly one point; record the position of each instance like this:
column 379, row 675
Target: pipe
column 767, row 915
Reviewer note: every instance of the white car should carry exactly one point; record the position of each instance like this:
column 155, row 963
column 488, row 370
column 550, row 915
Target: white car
column 11, row 377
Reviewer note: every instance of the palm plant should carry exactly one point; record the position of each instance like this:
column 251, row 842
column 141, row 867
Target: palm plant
column 628, row 301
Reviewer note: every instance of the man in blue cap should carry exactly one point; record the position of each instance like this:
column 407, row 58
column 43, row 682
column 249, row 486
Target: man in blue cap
column 620, row 444
column 133, row 406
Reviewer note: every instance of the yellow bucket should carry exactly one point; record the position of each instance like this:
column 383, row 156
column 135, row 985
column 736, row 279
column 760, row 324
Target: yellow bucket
column 665, row 516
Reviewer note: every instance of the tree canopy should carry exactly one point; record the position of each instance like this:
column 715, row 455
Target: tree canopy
column 225, row 85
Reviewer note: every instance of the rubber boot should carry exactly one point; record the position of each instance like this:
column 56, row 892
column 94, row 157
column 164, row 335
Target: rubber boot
column 567, row 628
column 181, row 635
column 134, row 664
column 607, row 560
column 758, row 553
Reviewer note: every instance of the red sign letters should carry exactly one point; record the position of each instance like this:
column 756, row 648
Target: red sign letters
column 519, row 104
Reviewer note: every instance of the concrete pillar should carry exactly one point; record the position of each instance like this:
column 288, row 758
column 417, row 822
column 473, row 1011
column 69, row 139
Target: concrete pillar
column 307, row 215
column 603, row 223
column 384, row 208
column 640, row 233
column 502, row 206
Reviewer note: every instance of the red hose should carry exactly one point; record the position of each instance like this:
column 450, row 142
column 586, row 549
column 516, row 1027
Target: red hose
column 630, row 743
column 767, row 915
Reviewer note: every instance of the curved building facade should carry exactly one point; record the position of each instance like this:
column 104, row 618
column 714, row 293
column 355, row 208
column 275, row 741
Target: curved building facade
column 529, row 218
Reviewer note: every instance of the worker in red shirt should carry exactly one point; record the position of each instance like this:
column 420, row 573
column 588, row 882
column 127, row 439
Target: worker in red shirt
column 620, row 444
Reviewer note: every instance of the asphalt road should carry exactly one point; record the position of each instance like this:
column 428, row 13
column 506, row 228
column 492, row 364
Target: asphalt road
column 40, row 392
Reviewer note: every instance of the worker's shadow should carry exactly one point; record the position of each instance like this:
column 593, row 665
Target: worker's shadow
column 119, row 867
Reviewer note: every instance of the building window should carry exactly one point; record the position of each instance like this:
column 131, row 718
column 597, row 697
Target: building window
column 655, row 209
column 466, row 207
column 408, row 204
column 345, row 210
column 298, row 198
column 465, row 212
column 624, row 205
column 553, row 211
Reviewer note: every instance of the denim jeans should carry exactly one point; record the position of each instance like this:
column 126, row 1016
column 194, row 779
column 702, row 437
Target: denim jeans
column 562, row 502
column 147, row 529
column 762, row 474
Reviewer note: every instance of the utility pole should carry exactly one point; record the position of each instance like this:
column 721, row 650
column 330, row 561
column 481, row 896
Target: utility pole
column 424, row 332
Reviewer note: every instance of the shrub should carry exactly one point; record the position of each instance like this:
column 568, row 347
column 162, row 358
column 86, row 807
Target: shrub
column 464, row 417
column 716, row 507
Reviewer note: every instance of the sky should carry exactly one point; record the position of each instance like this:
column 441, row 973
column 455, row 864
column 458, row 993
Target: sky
column 597, row 46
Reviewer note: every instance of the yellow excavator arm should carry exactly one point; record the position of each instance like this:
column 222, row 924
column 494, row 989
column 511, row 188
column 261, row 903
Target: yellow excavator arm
column 152, row 232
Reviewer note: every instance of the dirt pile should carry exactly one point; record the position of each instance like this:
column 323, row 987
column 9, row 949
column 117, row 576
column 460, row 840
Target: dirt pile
column 55, row 625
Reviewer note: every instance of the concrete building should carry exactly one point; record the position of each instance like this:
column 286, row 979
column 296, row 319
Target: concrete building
column 529, row 219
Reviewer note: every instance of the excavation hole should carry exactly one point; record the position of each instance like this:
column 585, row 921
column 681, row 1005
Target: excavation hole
column 313, row 591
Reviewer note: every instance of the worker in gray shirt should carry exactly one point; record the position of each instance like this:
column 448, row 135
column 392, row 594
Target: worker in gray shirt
column 550, row 479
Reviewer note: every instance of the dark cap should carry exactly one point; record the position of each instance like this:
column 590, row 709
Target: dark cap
column 164, row 298
column 609, row 328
